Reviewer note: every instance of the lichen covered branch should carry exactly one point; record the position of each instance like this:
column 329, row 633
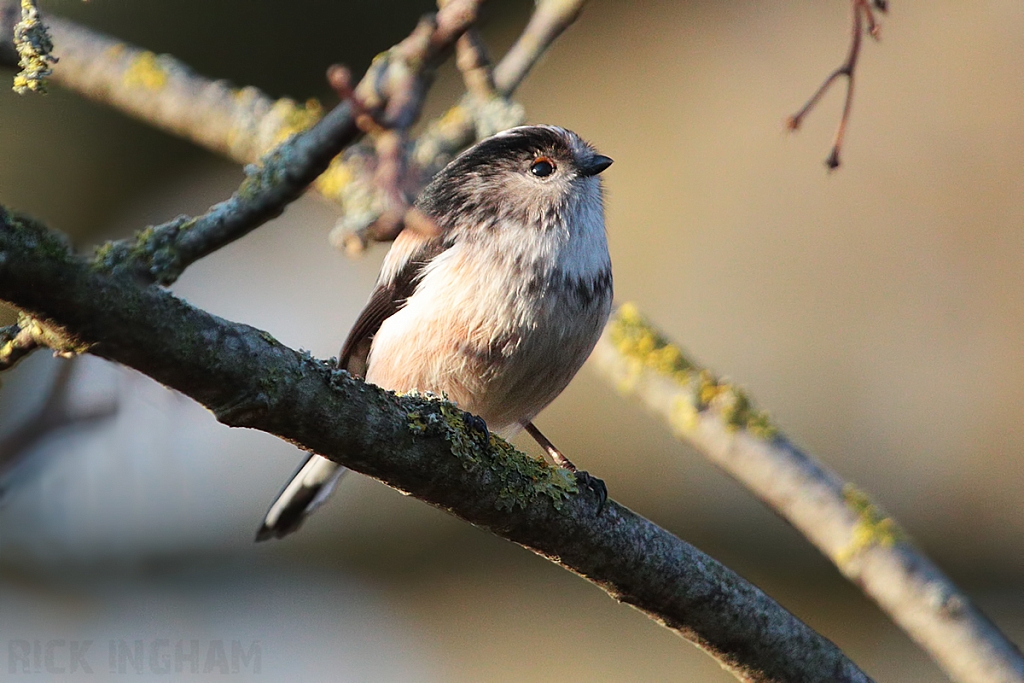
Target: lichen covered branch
column 865, row 543
column 418, row 445
column 160, row 254
column 240, row 123
column 861, row 11
column 35, row 50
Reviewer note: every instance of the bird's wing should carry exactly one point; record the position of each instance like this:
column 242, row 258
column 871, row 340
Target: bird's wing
column 316, row 478
column 399, row 275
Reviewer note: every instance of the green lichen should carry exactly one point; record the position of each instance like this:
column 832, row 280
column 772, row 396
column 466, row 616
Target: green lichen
column 646, row 349
column 35, row 51
column 152, row 249
column 270, row 381
column 271, row 171
column 523, row 479
column 873, row 526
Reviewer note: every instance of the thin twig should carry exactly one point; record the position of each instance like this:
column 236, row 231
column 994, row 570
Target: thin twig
column 549, row 20
column 866, row 544
column 861, row 11
column 474, row 64
column 55, row 414
column 420, row 446
column 397, row 176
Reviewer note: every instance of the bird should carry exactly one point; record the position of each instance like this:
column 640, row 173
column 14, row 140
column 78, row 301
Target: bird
column 495, row 306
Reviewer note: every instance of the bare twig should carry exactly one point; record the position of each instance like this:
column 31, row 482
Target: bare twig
column 474, row 64
column 53, row 415
column 485, row 109
column 394, row 182
column 861, row 11
column 397, row 177
column 867, row 545
column 549, row 20
column 420, row 446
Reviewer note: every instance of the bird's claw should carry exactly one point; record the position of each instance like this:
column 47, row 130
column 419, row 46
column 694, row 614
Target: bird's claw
column 596, row 485
column 475, row 423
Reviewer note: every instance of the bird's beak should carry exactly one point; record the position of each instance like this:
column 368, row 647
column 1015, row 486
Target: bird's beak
column 595, row 165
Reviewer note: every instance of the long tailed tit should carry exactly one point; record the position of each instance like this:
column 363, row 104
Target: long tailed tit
column 498, row 308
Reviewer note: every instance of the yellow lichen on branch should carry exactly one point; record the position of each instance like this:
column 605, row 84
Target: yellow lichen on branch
column 147, row 72
column 645, row 349
column 873, row 527
column 293, row 118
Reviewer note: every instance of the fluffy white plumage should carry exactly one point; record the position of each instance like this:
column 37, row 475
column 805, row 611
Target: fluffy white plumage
column 499, row 307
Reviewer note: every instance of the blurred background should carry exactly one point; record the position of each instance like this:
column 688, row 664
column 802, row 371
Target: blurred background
column 876, row 312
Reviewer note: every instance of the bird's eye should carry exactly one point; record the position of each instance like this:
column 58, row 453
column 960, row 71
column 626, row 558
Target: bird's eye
column 542, row 167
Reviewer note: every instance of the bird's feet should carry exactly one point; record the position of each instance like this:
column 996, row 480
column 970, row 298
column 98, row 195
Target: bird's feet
column 596, row 485
column 475, row 423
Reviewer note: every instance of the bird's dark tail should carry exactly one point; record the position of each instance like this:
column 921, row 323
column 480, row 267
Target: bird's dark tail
column 311, row 485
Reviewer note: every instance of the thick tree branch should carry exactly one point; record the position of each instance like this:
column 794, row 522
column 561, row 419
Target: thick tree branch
column 418, row 445
column 868, row 546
